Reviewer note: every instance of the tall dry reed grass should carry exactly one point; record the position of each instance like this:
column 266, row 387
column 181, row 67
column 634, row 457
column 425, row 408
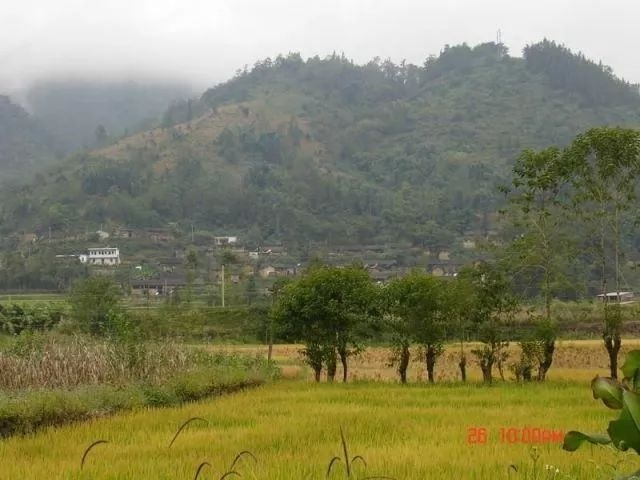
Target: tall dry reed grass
column 55, row 363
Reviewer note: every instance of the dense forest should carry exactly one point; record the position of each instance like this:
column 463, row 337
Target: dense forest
column 324, row 149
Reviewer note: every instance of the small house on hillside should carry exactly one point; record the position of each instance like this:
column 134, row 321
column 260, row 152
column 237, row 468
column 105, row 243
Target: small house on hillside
column 278, row 271
column 164, row 285
column 617, row 297
column 123, row 232
column 29, row 238
column 102, row 256
column 159, row 234
column 224, row 241
column 443, row 269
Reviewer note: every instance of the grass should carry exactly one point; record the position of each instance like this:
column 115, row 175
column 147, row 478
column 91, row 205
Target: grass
column 48, row 380
column 293, row 429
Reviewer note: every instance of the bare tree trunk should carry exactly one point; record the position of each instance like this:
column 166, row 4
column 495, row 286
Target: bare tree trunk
column 342, row 351
column 404, row 363
column 463, row 367
column 317, row 371
column 612, row 340
column 331, row 365
column 547, row 359
column 613, row 348
column 486, row 367
column 431, row 362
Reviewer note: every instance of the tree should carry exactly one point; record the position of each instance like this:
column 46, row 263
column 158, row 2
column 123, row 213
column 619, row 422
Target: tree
column 459, row 297
column 604, row 165
column 492, row 305
column 393, row 306
column 325, row 309
column 418, row 307
column 93, row 302
column 541, row 249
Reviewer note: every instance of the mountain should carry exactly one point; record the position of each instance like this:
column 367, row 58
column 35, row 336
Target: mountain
column 85, row 113
column 323, row 149
column 25, row 144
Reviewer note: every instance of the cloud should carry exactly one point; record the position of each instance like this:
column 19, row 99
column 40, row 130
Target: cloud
column 205, row 41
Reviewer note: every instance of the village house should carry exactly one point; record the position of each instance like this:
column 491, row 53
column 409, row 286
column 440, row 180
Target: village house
column 102, row 235
column 123, row 232
column 267, row 271
column 101, row 256
column 274, row 250
column 469, row 244
column 277, row 271
column 159, row 286
column 380, row 264
column 159, row 234
column 224, row 241
column 622, row 298
column 170, row 264
column 29, row 238
column 444, row 269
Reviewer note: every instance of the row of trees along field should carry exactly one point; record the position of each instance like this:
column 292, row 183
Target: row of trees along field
column 334, row 310
column 567, row 207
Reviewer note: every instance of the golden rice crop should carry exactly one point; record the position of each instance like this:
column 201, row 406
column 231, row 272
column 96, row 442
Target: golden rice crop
column 293, row 428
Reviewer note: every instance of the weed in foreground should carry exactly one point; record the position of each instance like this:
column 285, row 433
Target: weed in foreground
column 89, row 448
column 182, row 427
column 349, row 462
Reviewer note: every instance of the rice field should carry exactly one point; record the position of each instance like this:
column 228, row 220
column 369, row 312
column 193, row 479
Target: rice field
column 293, row 428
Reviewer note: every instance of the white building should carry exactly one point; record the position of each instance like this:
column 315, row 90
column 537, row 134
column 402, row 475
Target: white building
column 222, row 241
column 102, row 256
column 617, row 297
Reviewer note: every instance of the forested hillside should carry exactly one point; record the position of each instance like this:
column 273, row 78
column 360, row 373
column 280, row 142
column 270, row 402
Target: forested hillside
column 327, row 150
column 24, row 143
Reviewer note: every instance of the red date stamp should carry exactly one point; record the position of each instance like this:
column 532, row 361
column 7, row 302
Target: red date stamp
column 533, row 435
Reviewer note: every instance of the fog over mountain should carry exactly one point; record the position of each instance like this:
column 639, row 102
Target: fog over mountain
column 204, row 42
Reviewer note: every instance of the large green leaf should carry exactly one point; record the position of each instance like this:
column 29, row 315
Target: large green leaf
column 631, row 364
column 625, row 431
column 573, row 440
column 608, row 390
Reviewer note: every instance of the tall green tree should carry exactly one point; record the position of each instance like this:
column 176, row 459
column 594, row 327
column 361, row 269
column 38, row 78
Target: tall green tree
column 605, row 165
column 326, row 309
column 419, row 308
column 492, row 306
column 541, row 248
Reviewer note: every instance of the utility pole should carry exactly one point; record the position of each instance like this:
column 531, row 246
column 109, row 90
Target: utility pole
column 223, row 285
column 192, row 233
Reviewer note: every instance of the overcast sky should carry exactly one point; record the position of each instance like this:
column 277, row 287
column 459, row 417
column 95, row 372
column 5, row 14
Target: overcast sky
column 205, row 41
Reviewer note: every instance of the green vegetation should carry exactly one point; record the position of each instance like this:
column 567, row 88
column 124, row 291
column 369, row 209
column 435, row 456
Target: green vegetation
column 405, row 432
column 326, row 309
column 327, row 150
column 623, row 433
column 55, row 380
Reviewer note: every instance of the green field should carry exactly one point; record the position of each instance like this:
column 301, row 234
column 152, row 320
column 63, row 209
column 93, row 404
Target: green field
column 293, row 428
